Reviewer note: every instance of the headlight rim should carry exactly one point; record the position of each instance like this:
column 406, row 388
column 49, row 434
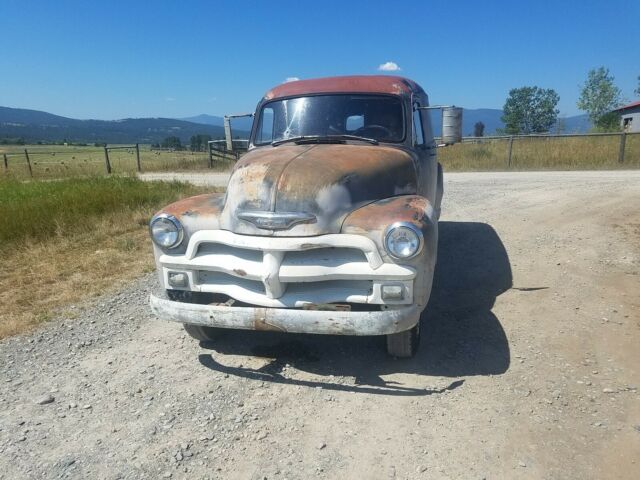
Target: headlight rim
column 176, row 223
column 411, row 227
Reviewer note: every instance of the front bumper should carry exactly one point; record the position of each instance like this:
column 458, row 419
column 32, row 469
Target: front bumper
column 288, row 320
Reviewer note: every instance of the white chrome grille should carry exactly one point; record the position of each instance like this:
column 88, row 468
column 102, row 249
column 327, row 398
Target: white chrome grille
column 286, row 271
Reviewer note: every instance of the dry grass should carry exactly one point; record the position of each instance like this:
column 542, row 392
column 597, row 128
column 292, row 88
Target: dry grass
column 58, row 161
column 572, row 153
column 41, row 274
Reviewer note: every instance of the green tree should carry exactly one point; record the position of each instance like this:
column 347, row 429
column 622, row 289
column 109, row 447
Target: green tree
column 198, row 143
column 172, row 142
column 478, row 129
column 530, row 110
column 598, row 97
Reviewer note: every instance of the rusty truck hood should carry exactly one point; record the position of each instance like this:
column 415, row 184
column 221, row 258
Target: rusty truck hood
column 323, row 183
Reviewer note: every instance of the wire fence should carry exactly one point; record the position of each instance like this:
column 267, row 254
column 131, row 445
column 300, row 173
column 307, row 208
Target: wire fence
column 52, row 161
column 553, row 151
column 518, row 152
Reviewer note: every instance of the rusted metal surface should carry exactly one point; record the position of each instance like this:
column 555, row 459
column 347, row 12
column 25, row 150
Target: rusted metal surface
column 328, row 307
column 290, row 201
column 289, row 320
column 326, row 181
column 386, row 84
column 207, row 204
column 196, row 213
column 376, row 216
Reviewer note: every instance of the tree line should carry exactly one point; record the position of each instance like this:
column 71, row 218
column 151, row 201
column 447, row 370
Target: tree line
column 533, row 109
column 197, row 143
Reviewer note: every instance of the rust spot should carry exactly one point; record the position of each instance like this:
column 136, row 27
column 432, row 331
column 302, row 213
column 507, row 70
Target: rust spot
column 207, row 204
column 260, row 322
column 240, row 272
column 353, row 174
column 409, row 208
column 309, row 246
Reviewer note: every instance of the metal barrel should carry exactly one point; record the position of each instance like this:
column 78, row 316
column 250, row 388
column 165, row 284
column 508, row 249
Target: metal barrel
column 451, row 125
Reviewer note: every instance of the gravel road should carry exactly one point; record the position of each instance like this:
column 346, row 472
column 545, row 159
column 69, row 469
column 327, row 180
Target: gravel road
column 529, row 366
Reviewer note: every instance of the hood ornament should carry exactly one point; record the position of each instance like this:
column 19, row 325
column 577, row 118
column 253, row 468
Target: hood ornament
column 276, row 220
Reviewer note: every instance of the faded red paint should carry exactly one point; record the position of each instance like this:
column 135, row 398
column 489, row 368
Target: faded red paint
column 387, row 84
column 379, row 215
column 207, row 204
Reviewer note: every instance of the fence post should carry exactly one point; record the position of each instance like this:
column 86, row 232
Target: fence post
column 509, row 151
column 106, row 160
column 210, row 145
column 26, row 154
column 6, row 162
column 623, row 141
column 138, row 164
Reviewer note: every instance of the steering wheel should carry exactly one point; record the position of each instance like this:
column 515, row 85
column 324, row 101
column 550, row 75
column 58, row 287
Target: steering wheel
column 377, row 131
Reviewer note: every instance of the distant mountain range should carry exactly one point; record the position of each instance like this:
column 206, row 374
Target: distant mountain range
column 491, row 117
column 243, row 123
column 33, row 126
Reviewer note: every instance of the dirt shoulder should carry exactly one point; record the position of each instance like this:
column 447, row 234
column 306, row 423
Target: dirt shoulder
column 529, row 366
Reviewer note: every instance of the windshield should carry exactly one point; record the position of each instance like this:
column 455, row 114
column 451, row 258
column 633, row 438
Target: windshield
column 375, row 117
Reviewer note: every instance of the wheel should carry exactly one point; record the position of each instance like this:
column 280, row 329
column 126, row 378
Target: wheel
column 404, row 344
column 201, row 333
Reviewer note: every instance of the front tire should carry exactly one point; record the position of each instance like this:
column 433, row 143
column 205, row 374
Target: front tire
column 199, row 332
column 202, row 333
column 404, row 344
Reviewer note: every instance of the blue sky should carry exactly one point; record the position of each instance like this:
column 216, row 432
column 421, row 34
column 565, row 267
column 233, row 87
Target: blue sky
column 115, row 59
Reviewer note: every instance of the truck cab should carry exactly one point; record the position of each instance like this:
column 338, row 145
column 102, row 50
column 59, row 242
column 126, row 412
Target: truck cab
column 329, row 223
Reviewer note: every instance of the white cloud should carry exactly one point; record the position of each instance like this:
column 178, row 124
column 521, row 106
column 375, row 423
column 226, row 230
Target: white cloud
column 170, row 99
column 389, row 67
column 291, row 79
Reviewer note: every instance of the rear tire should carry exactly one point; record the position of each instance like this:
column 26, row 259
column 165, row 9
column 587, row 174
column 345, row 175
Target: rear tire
column 404, row 344
column 202, row 333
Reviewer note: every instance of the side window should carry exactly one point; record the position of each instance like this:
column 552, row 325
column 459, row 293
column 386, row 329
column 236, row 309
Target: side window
column 265, row 128
column 418, row 131
column 354, row 122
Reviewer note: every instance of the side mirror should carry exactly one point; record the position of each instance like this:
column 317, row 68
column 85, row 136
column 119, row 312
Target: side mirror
column 451, row 125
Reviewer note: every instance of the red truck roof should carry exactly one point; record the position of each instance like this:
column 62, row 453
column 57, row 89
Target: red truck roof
column 388, row 84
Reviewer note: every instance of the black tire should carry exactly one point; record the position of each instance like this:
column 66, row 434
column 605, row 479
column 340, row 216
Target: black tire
column 202, row 333
column 404, row 344
column 199, row 332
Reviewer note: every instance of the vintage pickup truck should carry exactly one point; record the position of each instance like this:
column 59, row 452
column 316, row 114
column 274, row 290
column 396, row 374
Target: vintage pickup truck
column 329, row 223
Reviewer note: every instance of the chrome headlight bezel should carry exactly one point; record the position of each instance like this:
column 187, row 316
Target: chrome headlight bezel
column 170, row 219
column 413, row 229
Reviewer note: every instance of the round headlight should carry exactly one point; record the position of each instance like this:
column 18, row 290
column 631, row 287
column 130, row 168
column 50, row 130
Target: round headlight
column 166, row 231
column 403, row 240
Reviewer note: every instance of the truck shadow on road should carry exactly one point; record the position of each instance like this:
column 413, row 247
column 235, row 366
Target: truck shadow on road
column 460, row 334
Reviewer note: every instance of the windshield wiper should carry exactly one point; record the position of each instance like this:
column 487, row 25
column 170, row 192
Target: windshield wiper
column 323, row 138
column 373, row 141
column 296, row 139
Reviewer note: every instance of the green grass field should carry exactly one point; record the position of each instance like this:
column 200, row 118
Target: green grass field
column 62, row 242
column 40, row 209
